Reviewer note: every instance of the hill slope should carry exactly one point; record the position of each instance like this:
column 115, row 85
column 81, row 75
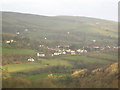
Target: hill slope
column 56, row 28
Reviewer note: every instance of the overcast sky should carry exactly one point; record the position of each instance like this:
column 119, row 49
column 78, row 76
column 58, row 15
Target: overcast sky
column 104, row 9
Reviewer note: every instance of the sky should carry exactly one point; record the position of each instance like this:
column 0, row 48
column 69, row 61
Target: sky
column 103, row 9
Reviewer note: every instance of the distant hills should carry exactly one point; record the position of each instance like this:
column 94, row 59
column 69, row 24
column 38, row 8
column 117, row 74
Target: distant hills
column 64, row 29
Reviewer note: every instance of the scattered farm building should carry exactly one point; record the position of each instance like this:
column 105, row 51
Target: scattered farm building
column 31, row 60
column 72, row 52
column 41, row 54
column 17, row 33
column 8, row 42
column 56, row 54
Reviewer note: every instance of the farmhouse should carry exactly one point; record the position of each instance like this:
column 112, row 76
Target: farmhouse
column 72, row 52
column 108, row 47
column 56, row 54
column 96, row 47
column 68, row 51
column 31, row 60
column 78, row 51
column 41, row 54
column 63, row 52
column 26, row 30
column 11, row 41
column 8, row 42
column 83, row 51
column 17, row 33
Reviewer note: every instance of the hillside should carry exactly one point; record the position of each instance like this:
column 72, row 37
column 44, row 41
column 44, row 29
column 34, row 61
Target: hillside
column 104, row 77
column 64, row 29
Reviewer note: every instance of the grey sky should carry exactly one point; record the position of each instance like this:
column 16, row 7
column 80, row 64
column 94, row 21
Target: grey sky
column 104, row 9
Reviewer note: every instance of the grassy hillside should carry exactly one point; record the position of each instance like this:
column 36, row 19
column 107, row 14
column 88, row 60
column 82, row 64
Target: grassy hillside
column 81, row 29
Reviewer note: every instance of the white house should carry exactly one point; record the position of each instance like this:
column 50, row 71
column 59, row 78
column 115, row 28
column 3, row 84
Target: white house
column 17, row 33
column 79, row 50
column 26, row 30
column 94, row 41
column 63, row 52
column 31, row 60
column 41, row 54
column 68, row 51
column 8, row 42
column 11, row 41
column 83, row 51
column 72, row 52
column 108, row 47
column 56, row 54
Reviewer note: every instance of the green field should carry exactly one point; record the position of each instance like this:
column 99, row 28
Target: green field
column 18, row 51
column 43, row 75
column 22, row 67
column 55, row 62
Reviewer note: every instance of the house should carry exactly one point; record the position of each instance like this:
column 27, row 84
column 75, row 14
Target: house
column 96, row 47
column 8, row 42
column 17, row 33
column 68, row 51
column 94, row 41
column 78, row 51
column 115, row 47
column 26, row 30
column 63, row 52
column 11, row 41
column 41, row 54
column 83, row 51
column 108, row 47
column 56, row 54
column 72, row 52
column 31, row 60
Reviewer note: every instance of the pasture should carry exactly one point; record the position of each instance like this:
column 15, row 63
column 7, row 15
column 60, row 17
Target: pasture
column 22, row 67
column 18, row 51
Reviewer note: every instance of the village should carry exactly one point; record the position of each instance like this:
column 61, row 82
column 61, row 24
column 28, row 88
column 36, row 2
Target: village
column 65, row 50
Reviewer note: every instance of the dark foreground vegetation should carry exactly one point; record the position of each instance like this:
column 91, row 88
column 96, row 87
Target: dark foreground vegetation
column 106, row 77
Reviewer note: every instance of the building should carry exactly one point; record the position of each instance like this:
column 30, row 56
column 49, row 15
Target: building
column 63, row 52
column 83, row 51
column 8, row 42
column 17, row 33
column 96, row 48
column 72, row 52
column 78, row 51
column 56, row 54
column 41, row 54
column 31, row 60
column 68, row 51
